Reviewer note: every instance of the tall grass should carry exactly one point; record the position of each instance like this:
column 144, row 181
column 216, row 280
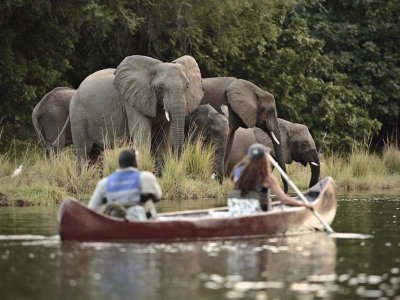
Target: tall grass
column 49, row 180
column 190, row 176
column 360, row 170
column 363, row 170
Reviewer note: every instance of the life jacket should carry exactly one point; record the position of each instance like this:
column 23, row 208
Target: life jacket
column 123, row 188
column 237, row 171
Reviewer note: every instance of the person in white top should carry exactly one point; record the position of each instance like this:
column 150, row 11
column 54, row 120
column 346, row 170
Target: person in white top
column 127, row 192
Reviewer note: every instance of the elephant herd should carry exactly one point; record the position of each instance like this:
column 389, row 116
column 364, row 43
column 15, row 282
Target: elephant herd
column 155, row 103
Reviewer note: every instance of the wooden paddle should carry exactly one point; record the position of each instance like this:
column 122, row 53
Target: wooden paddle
column 327, row 228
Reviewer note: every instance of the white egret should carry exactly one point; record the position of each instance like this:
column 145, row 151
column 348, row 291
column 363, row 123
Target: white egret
column 17, row 172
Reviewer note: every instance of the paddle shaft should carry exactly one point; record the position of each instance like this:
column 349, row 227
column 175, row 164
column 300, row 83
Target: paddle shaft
column 298, row 192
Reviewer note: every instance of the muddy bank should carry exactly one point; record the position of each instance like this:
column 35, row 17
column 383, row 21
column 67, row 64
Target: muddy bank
column 5, row 201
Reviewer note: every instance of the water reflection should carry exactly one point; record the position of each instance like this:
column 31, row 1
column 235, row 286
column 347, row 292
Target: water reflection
column 276, row 267
column 35, row 265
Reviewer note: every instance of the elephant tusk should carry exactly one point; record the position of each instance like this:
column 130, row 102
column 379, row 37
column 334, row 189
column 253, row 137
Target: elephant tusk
column 225, row 110
column 167, row 115
column 314, row 163
column 274, row 137
column 213, row 176
column 137, row 153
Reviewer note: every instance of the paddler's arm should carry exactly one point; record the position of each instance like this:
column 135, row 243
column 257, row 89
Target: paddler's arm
column 99, row 195
column 149, row 187
column 280, row 194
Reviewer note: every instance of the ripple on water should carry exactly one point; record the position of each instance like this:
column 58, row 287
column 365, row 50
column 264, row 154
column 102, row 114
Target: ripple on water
column 322, row 278
column 245, row 286
column 319, row 288
column 395, row 270
column 21, row 237
column 374, row 279
column 363, row 292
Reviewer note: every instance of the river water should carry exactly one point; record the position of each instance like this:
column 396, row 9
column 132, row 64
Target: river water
column 34, row 264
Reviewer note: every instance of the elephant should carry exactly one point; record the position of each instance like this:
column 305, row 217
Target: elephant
column 144, row 99
column 297, row 143
column 50, row 119
column 245, row 105
column 206, row 122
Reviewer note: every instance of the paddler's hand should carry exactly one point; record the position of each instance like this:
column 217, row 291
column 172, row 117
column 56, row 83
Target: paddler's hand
column 308, row 205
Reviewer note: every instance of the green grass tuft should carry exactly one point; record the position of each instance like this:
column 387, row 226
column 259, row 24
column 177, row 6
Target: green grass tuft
column 49, row 180
column 391, row 159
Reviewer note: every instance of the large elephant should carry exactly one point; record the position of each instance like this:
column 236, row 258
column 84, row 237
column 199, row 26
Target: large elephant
column 297, row 143
column 206, row 122
column 245, row 105
column 142, row 98
column 50, row 119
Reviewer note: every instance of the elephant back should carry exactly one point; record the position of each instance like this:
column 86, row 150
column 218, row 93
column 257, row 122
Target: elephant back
column 101, row 82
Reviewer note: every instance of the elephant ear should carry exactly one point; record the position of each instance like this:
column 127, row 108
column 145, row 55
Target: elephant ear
column 133, row 79
column 301, row 133
column 242, row 97
column 194, row 92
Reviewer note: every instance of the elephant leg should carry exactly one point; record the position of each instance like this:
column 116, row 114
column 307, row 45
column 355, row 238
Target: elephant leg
column 219, row 140
column 219, row 166
column 161, row 136
column 139, row 129
column 82, row 143
column 228, row 149
column 94, row 154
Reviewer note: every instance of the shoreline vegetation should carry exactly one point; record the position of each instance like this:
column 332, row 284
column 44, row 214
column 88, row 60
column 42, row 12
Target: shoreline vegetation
column 46, row 181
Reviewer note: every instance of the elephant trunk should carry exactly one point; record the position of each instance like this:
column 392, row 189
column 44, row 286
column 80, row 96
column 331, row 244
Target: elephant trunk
column 276, row 141
column 315, row 168
column 178, row 128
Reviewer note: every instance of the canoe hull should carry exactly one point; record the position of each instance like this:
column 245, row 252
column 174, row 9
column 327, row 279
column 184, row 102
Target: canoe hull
column 77, row 222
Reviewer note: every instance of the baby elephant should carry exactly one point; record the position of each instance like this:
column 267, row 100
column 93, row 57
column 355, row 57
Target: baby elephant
column 205, row 121
column 50, row 119
column 297, row 144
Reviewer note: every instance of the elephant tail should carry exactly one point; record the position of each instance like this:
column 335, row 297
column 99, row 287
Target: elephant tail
column 55, row 143
column 38, row 127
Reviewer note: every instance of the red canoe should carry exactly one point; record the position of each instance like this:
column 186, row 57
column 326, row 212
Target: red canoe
column 78, row 223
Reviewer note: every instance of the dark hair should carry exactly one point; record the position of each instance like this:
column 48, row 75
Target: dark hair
column 127, row 158
column 254, row 172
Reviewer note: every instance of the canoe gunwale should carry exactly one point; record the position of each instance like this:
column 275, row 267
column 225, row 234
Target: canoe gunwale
column 77, row 222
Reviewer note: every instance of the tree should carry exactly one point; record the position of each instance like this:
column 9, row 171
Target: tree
column 36, row 42
column 362, row 38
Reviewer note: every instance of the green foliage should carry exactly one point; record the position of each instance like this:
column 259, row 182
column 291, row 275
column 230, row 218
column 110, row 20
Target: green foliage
column 332, row 65
column 361, row 37
column 36, row 41
column 309, row 89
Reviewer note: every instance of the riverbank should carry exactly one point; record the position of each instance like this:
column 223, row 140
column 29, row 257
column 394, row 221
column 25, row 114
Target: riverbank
column 45, row 181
